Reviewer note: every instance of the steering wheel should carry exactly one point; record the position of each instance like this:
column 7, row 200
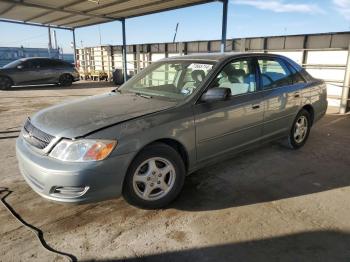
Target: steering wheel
column 187, row 90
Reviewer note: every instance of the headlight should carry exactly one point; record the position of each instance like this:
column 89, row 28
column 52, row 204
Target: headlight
column 83, row 150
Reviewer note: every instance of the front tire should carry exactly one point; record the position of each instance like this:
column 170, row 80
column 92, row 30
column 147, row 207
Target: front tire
column 65, row 80
column 300, row 130
column 5, row 83
column 155, row 177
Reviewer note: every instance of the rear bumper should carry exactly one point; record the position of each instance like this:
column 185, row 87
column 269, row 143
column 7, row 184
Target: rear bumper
column 76, row 77
column 72, row 182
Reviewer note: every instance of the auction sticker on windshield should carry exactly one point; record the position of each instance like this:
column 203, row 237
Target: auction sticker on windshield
column 197, row 66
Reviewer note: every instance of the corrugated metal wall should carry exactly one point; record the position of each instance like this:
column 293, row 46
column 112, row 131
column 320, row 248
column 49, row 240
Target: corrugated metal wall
column 323, row 55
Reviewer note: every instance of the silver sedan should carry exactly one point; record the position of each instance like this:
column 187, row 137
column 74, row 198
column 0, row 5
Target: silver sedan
column 176, row 116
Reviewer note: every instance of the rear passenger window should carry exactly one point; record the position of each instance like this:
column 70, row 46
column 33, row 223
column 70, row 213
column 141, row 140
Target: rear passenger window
column 296, row 76
column 274, row 74
column 36, row 63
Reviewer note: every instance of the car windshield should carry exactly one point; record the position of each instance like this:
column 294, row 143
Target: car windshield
column 13, row 64
column 174, row 80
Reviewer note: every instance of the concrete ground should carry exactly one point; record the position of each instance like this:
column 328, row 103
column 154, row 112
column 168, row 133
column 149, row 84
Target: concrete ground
column 271, row 204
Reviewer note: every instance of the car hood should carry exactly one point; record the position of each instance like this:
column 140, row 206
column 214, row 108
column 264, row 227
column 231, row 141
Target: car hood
column 80, row 117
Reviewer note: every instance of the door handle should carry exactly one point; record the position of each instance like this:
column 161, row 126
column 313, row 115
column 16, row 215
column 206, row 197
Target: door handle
column 255, row 106
column 296, row 94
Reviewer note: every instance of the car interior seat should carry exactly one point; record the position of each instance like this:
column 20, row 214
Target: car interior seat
column 198, row 76
column 236, row 81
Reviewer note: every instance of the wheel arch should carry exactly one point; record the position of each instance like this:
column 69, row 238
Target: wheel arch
column 309, row 108
column 65, row 73
column 173, row 143
column 178, row 147
column 8, row 77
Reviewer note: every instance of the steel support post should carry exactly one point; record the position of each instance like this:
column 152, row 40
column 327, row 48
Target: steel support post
column 224, row 25
column 124, row 52
column 74, row 48
column 346, row 87
column 50, row 43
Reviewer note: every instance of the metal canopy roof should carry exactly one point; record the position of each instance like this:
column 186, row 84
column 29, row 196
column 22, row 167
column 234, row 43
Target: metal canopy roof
column 71, row 14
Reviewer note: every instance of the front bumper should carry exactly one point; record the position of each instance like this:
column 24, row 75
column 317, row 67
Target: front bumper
column 97, row 180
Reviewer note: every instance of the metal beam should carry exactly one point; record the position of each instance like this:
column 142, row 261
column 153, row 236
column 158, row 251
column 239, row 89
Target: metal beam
column 99, row 7
column 34, row 24
column 38, row 16
column 164, row 9
column 140, row 6
column 57, row 19
column 151, row 12
column 76, row 21
column 224, row 25
column 125, row 68
column 50, row 12
column 49, row 8
column 345, row 93
column 7, row 9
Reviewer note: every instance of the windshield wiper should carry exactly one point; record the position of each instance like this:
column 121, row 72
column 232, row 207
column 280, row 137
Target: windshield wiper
column 143, row 95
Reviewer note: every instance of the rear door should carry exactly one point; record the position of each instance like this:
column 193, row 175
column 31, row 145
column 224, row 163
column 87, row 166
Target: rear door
column 29, row 73
column 281, row 93
column 48, row 71
column 226, row 126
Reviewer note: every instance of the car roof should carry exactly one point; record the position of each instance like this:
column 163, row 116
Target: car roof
column 216, row 57
column 32, row 58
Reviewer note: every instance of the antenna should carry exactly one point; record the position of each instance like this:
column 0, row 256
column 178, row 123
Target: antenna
column 177, row 26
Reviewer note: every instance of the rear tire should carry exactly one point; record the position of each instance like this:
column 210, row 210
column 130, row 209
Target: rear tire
column 155, row 177
column 5, row 83
column 300, row 130
column 65, row 80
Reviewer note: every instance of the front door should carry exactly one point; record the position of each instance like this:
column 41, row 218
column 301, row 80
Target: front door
column 226, row 126
column 27, row 74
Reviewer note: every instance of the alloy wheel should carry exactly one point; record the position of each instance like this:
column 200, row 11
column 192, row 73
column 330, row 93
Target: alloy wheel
column 154, row 178
column 300, row 129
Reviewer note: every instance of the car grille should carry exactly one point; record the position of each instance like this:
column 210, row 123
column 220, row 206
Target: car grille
column 35, row 136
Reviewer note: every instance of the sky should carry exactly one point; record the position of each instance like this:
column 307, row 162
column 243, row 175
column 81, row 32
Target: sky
column 246, row 18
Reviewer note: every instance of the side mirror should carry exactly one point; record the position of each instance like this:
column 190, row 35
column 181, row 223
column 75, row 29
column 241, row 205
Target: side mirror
column 20, row 67
column 216, row 94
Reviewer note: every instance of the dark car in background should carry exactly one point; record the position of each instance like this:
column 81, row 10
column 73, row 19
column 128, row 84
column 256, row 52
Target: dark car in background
column 37, row 71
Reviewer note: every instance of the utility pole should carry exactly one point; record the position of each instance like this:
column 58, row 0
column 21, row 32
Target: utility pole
column 99, row 33
column 177, row 26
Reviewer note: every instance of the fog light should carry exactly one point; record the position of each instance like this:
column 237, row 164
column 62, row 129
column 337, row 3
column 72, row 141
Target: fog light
column 69, row 191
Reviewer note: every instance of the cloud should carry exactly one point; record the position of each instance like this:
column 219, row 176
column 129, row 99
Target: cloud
column 343, row 7
column 280, row 6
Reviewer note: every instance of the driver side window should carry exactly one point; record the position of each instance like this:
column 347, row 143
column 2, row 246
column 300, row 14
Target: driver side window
column 238, row 76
